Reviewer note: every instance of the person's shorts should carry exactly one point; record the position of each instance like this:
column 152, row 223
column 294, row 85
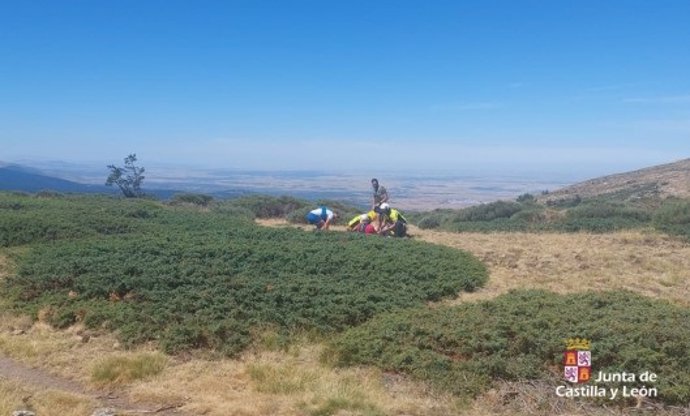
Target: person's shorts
column 400, row 229
column 313, row 218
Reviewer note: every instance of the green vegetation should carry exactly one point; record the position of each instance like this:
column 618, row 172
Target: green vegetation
column 27, row 219
column 290, row 208
column 190, row 279
column 264, row 206
column 128, row 178
column 601, row 214
column 520, row 335
column 674, row 218
column 125, row 369
column 191, row 198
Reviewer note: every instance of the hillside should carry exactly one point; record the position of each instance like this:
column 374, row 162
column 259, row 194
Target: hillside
column 20, row 178
column 198, row 308
column 658, row 182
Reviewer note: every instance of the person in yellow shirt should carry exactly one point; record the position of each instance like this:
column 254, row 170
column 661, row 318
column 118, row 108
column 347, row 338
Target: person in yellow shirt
column 392, row 221
column 361, row 222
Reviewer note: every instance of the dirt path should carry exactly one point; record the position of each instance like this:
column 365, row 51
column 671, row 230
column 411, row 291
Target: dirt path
column 13, row 370
column 37, row 379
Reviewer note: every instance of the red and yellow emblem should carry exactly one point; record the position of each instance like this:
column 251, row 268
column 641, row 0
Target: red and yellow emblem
column 577, row 360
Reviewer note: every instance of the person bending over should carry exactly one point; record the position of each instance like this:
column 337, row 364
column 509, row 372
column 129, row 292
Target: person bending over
column 392, row 221
column 321, row 217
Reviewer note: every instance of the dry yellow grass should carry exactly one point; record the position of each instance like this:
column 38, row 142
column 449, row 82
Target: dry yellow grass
column 289, row 383
column 647, row 262
column 17, row 396
column 60, row 352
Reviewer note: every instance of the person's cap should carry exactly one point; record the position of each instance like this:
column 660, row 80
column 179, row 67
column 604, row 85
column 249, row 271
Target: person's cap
column 385, row 207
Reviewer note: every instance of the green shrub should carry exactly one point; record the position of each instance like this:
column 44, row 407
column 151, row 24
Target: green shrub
column 192, row 279
column 264, row 206
column 597, row 215
column 488, row 212
column 190, row 198
column 26, row 220
column 676, row 212
column 230, row 210
column 298, row 216
column 674, row 218
column 526, row 198
column 533, row 215
column 429, row 222
column 606, row 210
column 519, row 336
column 564, row 202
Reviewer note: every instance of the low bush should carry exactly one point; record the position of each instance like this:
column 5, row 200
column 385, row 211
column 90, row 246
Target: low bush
column 429, row 222
column 608, row 210
column 190, row 198
column 674, row 218
column 191, row 279
column 598, row 215
column 264, row 206
column 520, row 336
column 26, row 219
column 488, row 212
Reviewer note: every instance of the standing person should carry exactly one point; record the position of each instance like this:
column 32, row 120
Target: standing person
column 321, row 217
column 380, row 193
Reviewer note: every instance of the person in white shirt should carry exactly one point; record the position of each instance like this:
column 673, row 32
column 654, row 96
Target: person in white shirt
column 321, row 217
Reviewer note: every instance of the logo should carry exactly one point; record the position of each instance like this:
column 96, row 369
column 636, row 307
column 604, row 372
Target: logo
column 577, row 360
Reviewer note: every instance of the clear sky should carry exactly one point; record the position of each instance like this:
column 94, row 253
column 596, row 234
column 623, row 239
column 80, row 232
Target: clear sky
column 347, row 84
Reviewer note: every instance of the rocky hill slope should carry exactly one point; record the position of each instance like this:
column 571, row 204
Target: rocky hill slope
column 662, row 181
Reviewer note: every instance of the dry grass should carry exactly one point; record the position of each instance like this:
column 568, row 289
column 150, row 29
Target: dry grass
column 537, row 398
column 126, row 368
column 647, row 262
column 60, row 352
column 16, row 396
column 290, row 383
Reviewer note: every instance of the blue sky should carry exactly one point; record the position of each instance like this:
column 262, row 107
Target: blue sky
column 359, row 84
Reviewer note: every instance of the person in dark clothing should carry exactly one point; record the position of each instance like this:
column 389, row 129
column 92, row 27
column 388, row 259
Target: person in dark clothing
column 380, row 194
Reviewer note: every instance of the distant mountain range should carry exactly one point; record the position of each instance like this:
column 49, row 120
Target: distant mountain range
column 22, row 178
column 15, row 177
column 656, row 182
column 661, row 181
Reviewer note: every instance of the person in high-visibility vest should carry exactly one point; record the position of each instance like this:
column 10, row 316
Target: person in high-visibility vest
column 393, row 221
column 360, row 222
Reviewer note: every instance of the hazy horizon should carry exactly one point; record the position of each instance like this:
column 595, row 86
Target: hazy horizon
column 407, row 86
column 410, row 189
